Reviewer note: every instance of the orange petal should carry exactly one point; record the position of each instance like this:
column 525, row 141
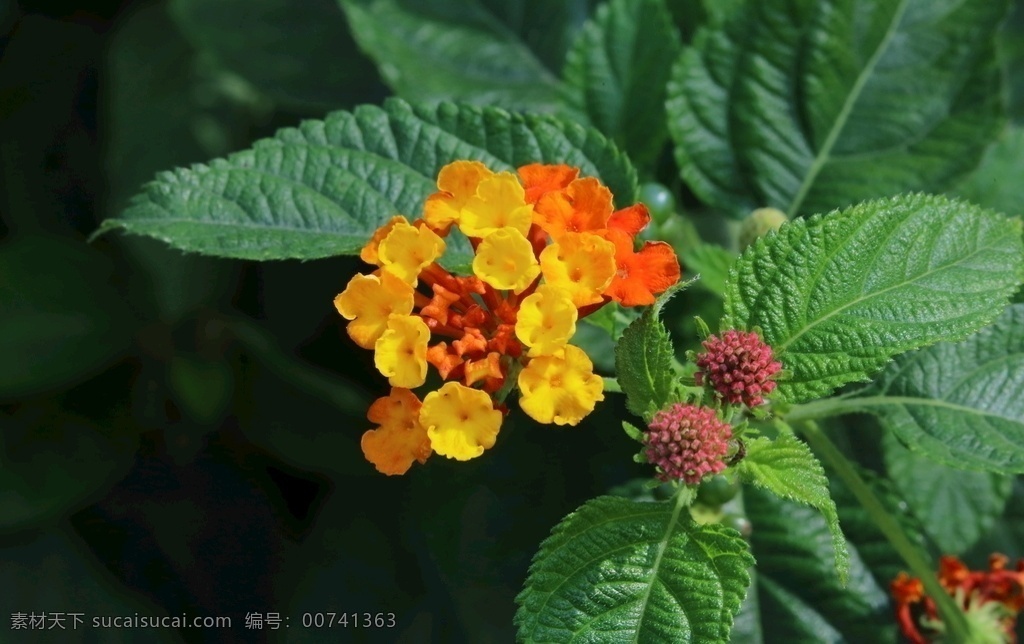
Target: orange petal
column 400, row 439
column 643, row 275
column 630, row 220
column 584, row 206
column 539, row 178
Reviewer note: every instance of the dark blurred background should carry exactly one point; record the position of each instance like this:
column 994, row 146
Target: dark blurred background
column 180, row 434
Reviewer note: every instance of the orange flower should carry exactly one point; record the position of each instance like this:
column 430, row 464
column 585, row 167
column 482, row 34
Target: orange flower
column 584, row 206
column 400, row 439
column 989, row 598
column 539, row 179
column 640, row 276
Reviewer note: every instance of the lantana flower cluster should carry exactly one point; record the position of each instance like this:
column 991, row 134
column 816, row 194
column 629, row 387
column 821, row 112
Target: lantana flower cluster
column 990, row 599
column 549, row 249
column 690, row 442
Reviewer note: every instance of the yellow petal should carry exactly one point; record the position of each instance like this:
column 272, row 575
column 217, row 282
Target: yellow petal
column 461, row 422
column 401, row 351
column 369, row 252
column 581, row 263
column 505, row 260
column 499, row 202
column 368, row 301
column 409, row 249
column 457, row 183
column 546, row 320
column 560, row 390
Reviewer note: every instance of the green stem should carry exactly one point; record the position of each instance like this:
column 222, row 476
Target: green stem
column 917, row 561
column 824, row 408
column 612, row 385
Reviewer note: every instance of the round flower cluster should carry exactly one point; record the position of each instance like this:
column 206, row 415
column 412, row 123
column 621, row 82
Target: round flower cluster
column 687, row 443
column 549, row 248
column 990, row 599
column 739, row 366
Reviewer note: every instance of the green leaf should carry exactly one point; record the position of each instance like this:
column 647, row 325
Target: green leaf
column 616, row 73
column 60, row 319
column 429, row 50
column 613, row 318
column 1007, row 535
column 711, row 262
column 164, row 108
column 322, row 189
column 838, row 295
column 862, row 532
column 955, row 507
column 961, row 404
column 600, row 332
column 619, row 570
column 301, row 54
column 644, row 359
column 809, row 105
column 996, row 182
column 786, row 467
column 800, row 598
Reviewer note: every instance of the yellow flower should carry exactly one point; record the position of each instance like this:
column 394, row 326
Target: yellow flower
column 369, row 252
column 561, row 390
column 408, row 249
column 368, row 301
column 401, row 351
column 581, row 263
column 457, row 182
column 461, row 422
column 505, row 260
column 400, row 439
column 546, row 321
column 499, row 202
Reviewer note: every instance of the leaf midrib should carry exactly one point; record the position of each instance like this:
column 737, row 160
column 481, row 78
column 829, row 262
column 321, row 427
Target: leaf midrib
column 874, row 294
column 911, row 401
column 670, row 528
column 824, row 153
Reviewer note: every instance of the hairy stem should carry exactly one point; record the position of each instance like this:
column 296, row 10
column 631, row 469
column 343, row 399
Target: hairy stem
column 612, row 385
column 917, row 561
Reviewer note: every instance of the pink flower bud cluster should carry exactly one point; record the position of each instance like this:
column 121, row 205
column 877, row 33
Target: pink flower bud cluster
column 687, row 443
column 739, row 366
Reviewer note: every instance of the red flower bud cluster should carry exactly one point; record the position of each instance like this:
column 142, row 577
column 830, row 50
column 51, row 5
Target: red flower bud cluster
column 739, row 366
column 687, row 443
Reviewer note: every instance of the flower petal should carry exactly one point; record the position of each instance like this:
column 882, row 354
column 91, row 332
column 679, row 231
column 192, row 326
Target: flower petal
column 400, row 439
column 562, row 390
column 368, row 301
column 546, row 320
column 401, row 351
column 461, row 422
column 505, row 260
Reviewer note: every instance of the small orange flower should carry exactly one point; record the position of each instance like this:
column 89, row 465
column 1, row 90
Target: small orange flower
column 400, row 439
column 642, row 275
column 539, row 179
column 584, row 206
